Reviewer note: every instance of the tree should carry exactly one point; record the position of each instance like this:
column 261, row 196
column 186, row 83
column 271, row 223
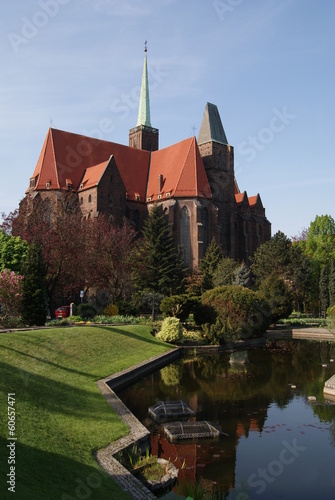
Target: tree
column 320, row 242
column 332, row 284
column 156, row 256
column 324, row 291
column 242, row 275
column 34, row 294
column 277, row 293
column 224, row 274
column 59, row 229
column 109, row 256
column 209, row 264
column 10, row 294
column 273, row 256
column 12, row 251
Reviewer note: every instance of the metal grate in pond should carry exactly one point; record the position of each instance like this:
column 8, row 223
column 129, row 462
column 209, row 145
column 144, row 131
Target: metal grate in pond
column 176, row 431
column 163, row 410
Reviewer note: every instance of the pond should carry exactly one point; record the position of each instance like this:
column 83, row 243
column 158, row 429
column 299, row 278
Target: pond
column 280, row 445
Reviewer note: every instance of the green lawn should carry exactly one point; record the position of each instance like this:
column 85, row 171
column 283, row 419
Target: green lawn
column 61, row 417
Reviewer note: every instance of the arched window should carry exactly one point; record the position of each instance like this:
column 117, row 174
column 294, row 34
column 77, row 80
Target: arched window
column 81, row 200
column 185, row 235
column 89, row 198
column 204, row 221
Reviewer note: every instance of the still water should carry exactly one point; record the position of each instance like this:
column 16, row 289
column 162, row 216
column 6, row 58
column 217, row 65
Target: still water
column 279, row 444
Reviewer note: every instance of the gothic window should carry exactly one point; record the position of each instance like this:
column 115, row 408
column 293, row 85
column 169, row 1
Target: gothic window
column 89, row 198
column 185, row 235
column 81, row 200
column 204, row 221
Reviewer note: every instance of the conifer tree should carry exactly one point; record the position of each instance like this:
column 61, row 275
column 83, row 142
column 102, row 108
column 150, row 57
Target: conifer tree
column 157, row 256
column 324, row 290
column 34, row 287
column 209, row 264
column 242, row 275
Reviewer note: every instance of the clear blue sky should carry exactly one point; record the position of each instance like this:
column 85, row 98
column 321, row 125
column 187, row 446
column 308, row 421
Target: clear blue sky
column 267, row 64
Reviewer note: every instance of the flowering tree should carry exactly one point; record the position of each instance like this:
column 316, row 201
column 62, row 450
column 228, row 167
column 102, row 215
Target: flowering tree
column 10, row 294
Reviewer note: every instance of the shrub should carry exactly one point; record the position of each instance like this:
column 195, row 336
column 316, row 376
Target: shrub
column 111, row 310
column 179, row 306
column 86, row 311
column 235, row 312
column 171, row 330
column 276, row 292
column 127, row 308
column 101, row 319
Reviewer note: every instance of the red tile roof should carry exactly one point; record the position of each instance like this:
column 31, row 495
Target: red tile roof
column 66, row 156
column 182, row 170
column 253, row 200
column 72, row 158
column 93, row 175
column 239, row 197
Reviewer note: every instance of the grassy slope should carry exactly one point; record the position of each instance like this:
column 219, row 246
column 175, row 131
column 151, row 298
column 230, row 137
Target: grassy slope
column 61, row 417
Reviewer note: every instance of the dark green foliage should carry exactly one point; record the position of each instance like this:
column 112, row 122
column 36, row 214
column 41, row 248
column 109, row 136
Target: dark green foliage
column 332, row 284
column 239, row 313
column 34, row 295
column 209, row 264
column 274, row 256
column 324, row 291
column 159, row 267
column 224, row 274
column 277, row 293
column 86, row 311
column 203, row 313
column 127, row 308
column 179, row 306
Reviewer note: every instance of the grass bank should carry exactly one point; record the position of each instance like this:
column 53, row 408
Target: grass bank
column 61, row 417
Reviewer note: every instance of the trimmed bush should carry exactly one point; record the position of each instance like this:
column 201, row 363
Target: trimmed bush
column 178, row 306
column 235, row 313
column 111, row 310
column 86, row 311
column 171, row 330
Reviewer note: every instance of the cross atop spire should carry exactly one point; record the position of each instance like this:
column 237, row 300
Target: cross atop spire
column 144, row 106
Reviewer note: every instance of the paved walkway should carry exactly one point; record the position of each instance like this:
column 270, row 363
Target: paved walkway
column 301, row 333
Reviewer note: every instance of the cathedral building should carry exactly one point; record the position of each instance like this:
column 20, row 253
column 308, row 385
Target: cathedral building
column 193, row 180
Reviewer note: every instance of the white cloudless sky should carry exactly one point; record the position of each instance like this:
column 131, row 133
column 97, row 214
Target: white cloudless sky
column 267, row 64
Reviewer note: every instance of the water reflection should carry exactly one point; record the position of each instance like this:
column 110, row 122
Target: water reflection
column 267, row 420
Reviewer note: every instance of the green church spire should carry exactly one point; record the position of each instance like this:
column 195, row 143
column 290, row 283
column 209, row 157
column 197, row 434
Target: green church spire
column 144, row 107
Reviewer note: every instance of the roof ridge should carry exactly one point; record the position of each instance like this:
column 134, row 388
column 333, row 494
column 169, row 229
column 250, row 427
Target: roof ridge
column 182, row 169
column 54, row 156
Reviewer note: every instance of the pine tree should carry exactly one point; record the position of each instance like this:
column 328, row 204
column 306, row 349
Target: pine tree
column 34, row 287
column 324, row 290
column 242, row 275
column 209, row 264
column 332, row 284
column 157, row 257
